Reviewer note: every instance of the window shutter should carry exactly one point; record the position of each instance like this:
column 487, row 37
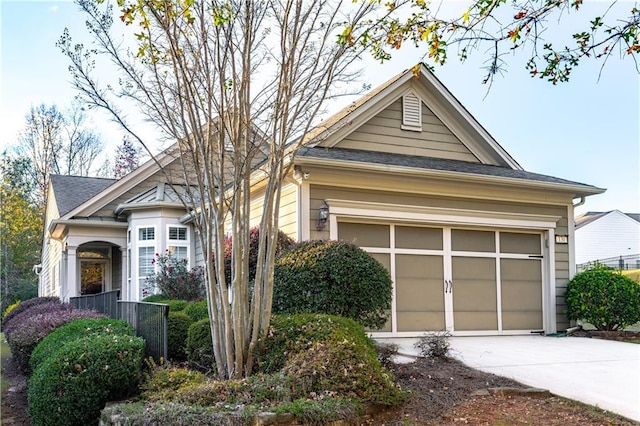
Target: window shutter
column 411, row 112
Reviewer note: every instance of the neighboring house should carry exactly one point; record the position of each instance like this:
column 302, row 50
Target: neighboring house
column 474, row 243
column 608, row 235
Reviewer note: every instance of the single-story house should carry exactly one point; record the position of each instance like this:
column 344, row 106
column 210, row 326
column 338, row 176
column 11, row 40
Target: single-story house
column 612, row 237
column 474, row 243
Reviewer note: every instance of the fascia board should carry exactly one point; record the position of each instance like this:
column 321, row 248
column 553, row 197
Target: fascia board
column 451, row 175
column 125, row 184
column 57, row 227
column 146, row 206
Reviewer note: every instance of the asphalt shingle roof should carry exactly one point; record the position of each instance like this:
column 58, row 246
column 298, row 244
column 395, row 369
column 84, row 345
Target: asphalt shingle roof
column 428, row 163
column 71, row 191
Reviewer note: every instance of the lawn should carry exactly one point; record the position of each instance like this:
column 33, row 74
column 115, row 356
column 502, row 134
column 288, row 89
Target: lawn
column 634, row 274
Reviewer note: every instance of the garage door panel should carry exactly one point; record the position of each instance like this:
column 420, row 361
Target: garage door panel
column 364, row 234
column 473, row 321
column 521, row 293
column 511, row 242
column 419, row 289
column 474, row 293
column 385, row 260
column 414, row 237
column 421, row 321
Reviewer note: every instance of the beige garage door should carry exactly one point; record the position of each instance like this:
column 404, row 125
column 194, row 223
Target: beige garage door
column 457, row 279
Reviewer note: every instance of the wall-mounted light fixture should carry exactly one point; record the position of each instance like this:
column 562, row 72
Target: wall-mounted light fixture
column 323, row 215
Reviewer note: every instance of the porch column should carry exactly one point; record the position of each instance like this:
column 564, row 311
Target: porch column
column 73, row 284
column 124, row 285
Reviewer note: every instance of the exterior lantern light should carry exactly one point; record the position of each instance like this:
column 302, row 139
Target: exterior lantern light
column 323, row 215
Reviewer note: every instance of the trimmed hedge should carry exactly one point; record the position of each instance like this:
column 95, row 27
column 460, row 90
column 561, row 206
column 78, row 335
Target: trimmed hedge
column 197, row 310
column 178, row 325
column 76, row 330
column 200, row 346
column 604, row 298
column 23, row 306
column 20, row 315
column 72, row 386
column 332, row 277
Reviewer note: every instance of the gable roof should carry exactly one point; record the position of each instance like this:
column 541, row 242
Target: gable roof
column 589, row 217
column 436, row 164
column 436, row 97
column 71, row 191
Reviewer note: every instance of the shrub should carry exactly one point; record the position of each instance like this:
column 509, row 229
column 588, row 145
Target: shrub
column 200, row 346
column 435, row 345
column 386, row 352
column 178, row 325
column 176, row 305
column 23, row 306
column 29, row 333
column 197, row 310
column 165, row 378
column 283, row 243
column 155, row 298
column 169, row 413
column 72, row 386
column 604, row 298
column 10, row 308
column 332, row 277
column 323, row 354
column 175, row 280
column 76, row 330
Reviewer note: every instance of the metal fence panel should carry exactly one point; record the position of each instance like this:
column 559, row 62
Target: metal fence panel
column 105, row 303
column 150, row 322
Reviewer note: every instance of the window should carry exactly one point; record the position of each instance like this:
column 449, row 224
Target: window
column 177, row 233
column 146, row 234
column 145, row 261
column 179, row 252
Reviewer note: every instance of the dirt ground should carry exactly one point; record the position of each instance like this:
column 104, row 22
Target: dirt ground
column 444, row 392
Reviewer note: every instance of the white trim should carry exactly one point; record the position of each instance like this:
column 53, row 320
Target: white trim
column 304, row 212
column 411, row 112
column 571, row 225
column 551, row 326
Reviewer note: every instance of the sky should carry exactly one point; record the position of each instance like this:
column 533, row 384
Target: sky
column 587, row 130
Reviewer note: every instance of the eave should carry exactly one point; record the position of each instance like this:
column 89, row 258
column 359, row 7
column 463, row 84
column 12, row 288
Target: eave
column 58, row 227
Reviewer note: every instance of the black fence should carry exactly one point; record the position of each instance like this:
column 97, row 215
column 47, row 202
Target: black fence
column 619, row 262
column 149, row 320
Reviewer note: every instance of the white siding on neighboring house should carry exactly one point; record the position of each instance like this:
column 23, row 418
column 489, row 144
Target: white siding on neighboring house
column 611, row 235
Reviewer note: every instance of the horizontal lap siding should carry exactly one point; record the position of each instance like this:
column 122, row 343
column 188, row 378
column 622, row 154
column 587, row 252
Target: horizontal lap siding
column 288, row 213
column 320, row 193
column 383, row 134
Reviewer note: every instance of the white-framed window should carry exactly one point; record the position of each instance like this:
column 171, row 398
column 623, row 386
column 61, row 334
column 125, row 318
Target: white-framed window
column 146, row 251
column 147, row 233
column 178, row 241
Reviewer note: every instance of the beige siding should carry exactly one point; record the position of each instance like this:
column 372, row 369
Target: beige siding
column 383, row 134
column 288, row 217
column 320, row 193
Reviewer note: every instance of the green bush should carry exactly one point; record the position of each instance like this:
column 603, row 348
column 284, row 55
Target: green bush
column 155, row 298
column 200, row 346
column 72, row 386
column 76, row 330
column 197, row 310
column 165, row 378
column 332, row 277
column 323, row 354
column 178, row 325
column 170, row 414
column 604, row 298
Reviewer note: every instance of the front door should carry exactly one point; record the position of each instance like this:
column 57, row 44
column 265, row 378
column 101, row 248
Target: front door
column 93, row 276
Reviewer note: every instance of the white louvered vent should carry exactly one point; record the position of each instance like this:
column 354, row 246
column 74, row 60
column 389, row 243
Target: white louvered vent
column 411, row 112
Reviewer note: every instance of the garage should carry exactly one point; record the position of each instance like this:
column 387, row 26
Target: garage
column 466, row 280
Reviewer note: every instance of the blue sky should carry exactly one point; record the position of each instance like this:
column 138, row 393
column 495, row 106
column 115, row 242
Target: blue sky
column 587, row 130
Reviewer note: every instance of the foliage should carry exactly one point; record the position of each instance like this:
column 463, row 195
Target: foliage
column 495, row 28
column 226, row 126
column 73, row 385
column 127, row 158
column 323, row 354
column 169, row 413
column 26, row 335
column 20, row 231
column 74, row 330
column 332, row 277
column 155, row 298
column 322, row 411
column 32, row 307
column 174, row 279
column 604, row 298
column 165, row 378
column 10, row 308
column 386, row 352
column 199, row 347
column 197, row 310
column 283, row 243
column 175, row 305
column 178, row 325
column 434, row 345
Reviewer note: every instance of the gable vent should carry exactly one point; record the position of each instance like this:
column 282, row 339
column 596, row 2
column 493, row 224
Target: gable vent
column 411, row 112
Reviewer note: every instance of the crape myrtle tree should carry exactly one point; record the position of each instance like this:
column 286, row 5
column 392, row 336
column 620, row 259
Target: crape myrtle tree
column 494, row 29
column 237, row 85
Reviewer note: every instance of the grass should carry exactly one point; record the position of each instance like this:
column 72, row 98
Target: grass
column 634, row 274
column 5, row 354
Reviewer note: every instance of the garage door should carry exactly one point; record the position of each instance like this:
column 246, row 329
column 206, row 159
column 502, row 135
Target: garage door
column 461, row 280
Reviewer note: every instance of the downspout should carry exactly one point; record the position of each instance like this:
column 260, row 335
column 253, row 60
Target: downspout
column 581, row 202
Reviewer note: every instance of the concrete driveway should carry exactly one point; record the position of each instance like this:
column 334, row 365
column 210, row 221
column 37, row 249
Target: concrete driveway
column 597, row 372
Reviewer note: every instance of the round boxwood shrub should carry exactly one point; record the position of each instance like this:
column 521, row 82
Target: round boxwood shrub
column 77, row 330
column 72, row 386
column 155, row 298
column 332, row 277
column 200, row 346
column 604, row 298
column 178, row 325
column 197, row 310
column 23, row 306
column 28, row 334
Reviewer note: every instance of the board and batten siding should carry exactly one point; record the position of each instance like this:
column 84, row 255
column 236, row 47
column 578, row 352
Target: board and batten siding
column 321, row 192
column 612, row 235
column 383, row 133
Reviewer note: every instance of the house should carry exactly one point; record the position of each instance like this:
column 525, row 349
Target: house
column 474, row 243
column 612, row 237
